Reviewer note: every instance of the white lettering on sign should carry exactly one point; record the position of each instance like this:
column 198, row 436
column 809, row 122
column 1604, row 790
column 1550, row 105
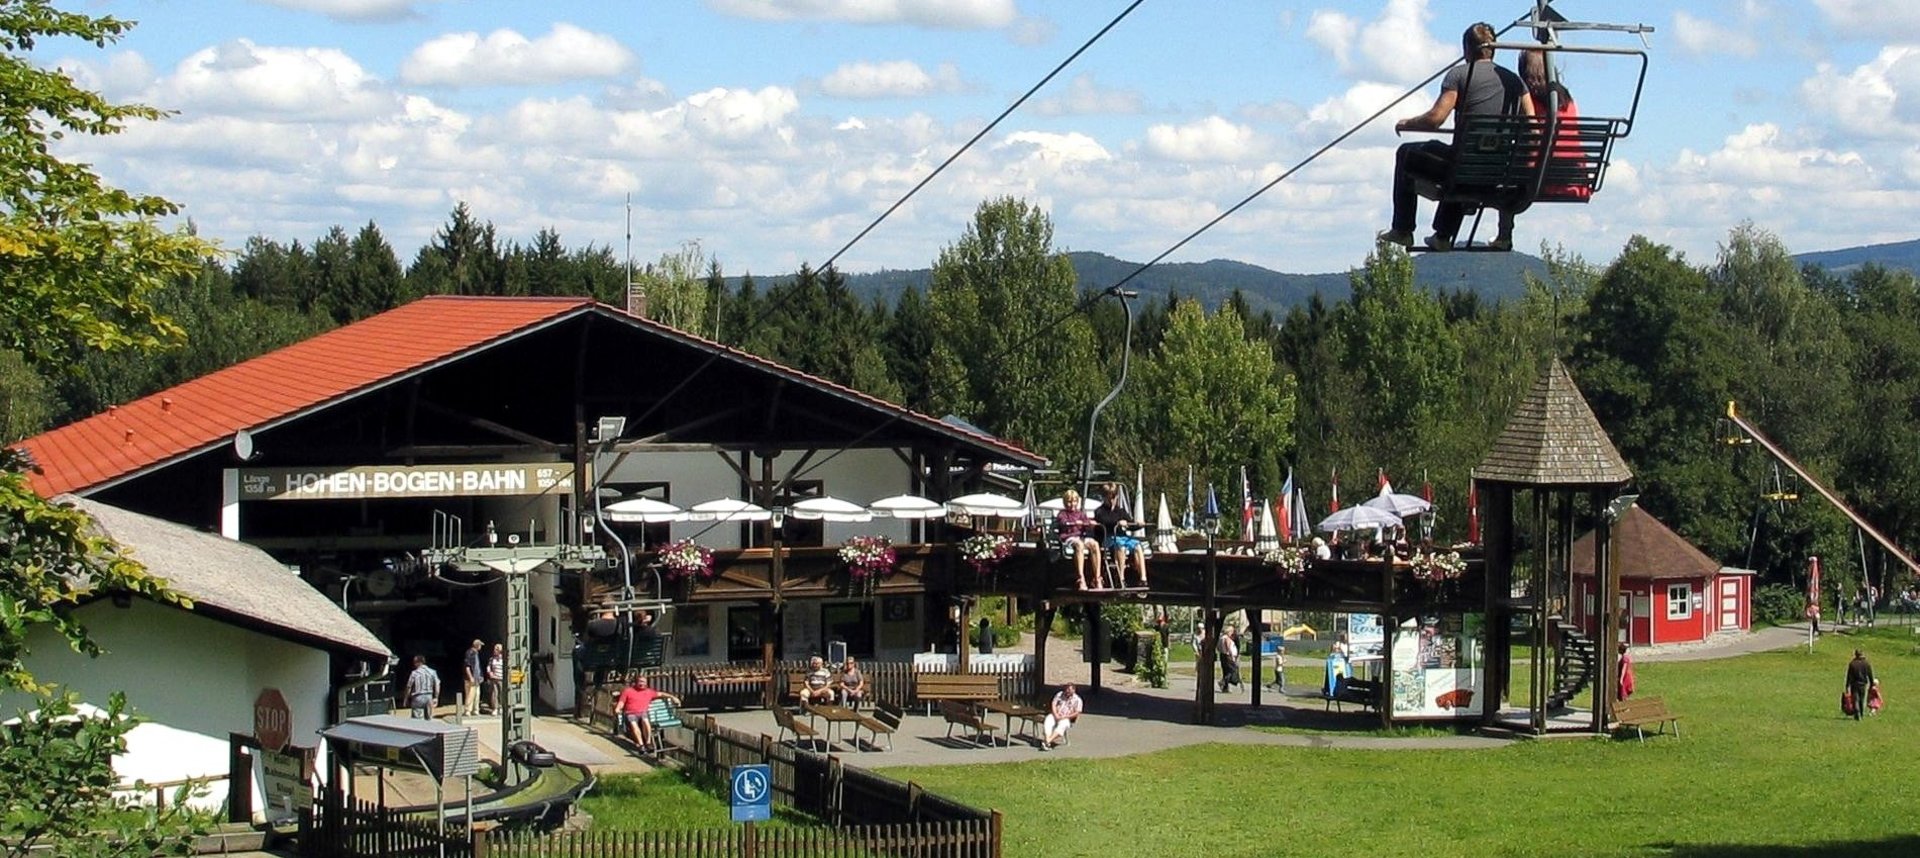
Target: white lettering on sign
column 396, row 481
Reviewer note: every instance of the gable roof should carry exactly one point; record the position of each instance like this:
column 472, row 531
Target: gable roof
column 233, row 582
column 1646, row 549
column 1553, row 439
column 189, row 418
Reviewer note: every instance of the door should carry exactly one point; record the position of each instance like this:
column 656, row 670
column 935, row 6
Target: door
column 1729, row 604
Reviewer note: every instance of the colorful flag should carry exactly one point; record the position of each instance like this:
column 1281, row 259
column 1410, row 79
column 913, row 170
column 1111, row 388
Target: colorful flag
column 1213, row 506
column 1247, row 510
column 1301, row 524
column 1473, row 512
column 1187, row 521
column 1333, row 505
column 1139, row 490
column 1426, row 490
column 1286, row 508
column 1383, row 480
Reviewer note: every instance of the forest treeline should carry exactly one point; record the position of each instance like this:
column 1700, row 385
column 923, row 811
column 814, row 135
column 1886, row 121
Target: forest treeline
column 1392, row 379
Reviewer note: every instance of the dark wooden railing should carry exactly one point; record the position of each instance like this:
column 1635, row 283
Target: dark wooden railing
column 970, row 839
column 743, row 684
column 352, row 828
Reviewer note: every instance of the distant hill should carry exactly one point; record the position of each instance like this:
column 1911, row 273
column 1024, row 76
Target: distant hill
column 1494, row 276
column 1900, row 254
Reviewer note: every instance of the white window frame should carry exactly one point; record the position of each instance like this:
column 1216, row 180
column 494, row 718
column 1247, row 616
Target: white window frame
column 1679, row 601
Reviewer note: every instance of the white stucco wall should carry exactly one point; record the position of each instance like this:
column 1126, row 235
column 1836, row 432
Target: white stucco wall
column 189, row 673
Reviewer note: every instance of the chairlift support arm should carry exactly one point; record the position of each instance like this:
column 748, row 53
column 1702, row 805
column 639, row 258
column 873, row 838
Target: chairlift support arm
column 1782, row 457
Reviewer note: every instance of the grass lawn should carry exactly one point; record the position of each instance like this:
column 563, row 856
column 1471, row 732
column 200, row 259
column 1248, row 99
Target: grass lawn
column 1767, row 766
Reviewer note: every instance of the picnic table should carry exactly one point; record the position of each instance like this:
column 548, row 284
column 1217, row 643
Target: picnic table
column 1030, row 716
column 833, row 714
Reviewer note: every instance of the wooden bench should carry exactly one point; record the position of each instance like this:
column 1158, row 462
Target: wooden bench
column 933, row 688
column 662, row 715
column 884, row 721
column 784, row 718
column 960, row 714
column 797, row 683
column 1639, row 712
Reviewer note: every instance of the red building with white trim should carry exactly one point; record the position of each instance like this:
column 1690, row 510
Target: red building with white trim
column 1670, row 590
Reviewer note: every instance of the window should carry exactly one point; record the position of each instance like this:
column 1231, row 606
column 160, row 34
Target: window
column 1679, row 601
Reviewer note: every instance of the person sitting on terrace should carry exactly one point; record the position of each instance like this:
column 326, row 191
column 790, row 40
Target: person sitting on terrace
column 819, row 682
column 853, row 684
column 1077, row 539
column 1118, row 520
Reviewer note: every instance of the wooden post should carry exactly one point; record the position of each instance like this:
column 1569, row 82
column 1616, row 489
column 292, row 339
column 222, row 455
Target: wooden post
column 239, row 780
column 1095, row 625
column 1042, row 627
column 1209, row 621
column 1537, row 698
column 1389, row 626
column 1255, row 629
column 1496, row 529
column 1606, row 593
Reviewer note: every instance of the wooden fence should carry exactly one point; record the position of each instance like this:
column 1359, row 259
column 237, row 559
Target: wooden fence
column 868, row 814
column 745, row 683
column 359, row 829
column 971, row 839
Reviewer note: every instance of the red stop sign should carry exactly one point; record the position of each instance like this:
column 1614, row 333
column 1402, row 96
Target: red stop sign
column 272, row 720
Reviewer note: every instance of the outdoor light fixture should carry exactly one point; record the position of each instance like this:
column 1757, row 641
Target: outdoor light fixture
column 608, row 428
column 1619, row 507
column 779, row 517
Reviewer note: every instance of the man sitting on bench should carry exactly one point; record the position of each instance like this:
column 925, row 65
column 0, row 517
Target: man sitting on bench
column 819, row 682
column 634, row 702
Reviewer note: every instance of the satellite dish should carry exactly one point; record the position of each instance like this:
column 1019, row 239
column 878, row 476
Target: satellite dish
column 379, row 583
column 243, row 445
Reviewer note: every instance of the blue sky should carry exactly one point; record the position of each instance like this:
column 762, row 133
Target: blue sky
column 772, row 131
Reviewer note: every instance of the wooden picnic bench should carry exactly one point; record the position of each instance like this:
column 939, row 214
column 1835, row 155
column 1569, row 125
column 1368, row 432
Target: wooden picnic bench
column 783, row 717
column 959, row 714
column 1638, row 713
column 884, row 721
column 933, row 688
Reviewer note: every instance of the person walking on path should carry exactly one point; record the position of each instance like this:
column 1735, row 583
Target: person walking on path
column 1625, row 672
column 1229, row 658
column 423, row 689
column 474, row 673
column 1859, row 679
column 1061, row 714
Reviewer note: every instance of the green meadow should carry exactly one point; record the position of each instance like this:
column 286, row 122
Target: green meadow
column 1766, row 765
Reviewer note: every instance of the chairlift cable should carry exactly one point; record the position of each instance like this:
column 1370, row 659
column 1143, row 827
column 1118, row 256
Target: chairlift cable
column 768, row 309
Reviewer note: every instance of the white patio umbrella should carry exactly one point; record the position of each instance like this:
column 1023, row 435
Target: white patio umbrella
column 1398, row 504
column 1267, row 538
column 988, row 503
column 1359, row 518
column 727, row 509
column 829, row 509
column 907, row 506
column 643, row 511
column 1054, row 505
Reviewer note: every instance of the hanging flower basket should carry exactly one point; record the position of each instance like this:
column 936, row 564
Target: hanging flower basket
column 984, row 551
column 686, row 560
column 1290, row 561
column 1438, row 567
column 868, row 558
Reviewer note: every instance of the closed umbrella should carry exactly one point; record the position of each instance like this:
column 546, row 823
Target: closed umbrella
column 1359, row 518
column 829, row 509
column 1267, row 538
column 1163, row 539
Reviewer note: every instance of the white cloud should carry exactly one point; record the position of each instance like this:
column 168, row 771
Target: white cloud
column 239, row 77
column 1059, row 147
column 1395, row 46
column 936, row 14
column 1704, row 38
column 505, row 57
column 1868, row 100
column 1086, row 97
column 355, row 10
column 1210, row 139
column 1872, row 19
column 895, row 79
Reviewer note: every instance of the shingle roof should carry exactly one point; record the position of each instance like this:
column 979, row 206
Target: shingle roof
column 1645, row 548
column 1553, row 439
column 233, row 581
column 287, row 383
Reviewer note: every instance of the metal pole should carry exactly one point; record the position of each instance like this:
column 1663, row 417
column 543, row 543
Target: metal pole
column 1126, row 358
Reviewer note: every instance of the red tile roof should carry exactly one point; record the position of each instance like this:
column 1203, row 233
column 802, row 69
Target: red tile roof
column 281, row 385
column 1645, row 548
column 127, row 439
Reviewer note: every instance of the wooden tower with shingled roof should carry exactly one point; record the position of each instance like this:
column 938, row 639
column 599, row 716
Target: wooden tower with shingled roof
column 1554, row 450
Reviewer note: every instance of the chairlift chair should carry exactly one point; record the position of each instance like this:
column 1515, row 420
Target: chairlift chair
column 1509, row 162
